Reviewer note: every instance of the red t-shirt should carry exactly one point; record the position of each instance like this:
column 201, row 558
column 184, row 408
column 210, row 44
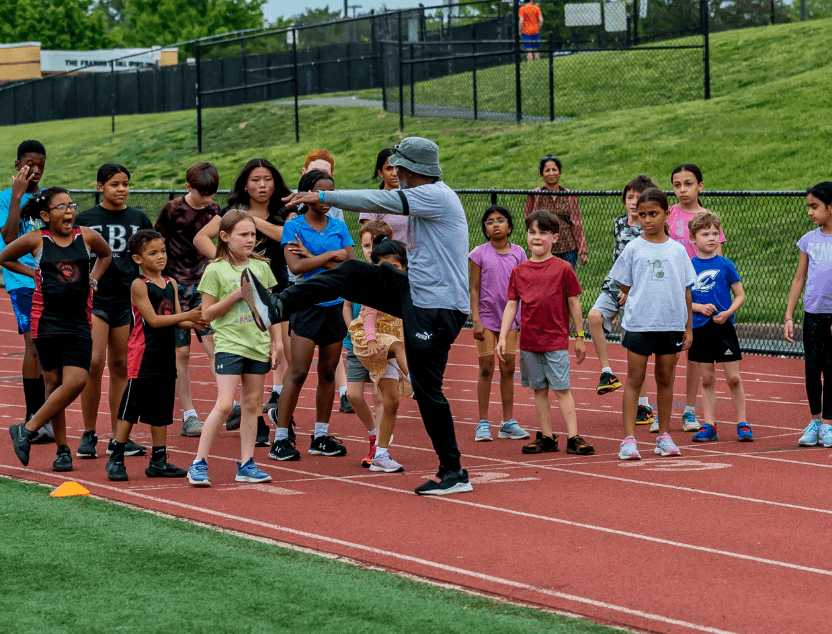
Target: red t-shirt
column 543, row 289
column 531, row 18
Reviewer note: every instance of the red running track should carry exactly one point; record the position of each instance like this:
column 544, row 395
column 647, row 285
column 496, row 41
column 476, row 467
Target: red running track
column 728, row 538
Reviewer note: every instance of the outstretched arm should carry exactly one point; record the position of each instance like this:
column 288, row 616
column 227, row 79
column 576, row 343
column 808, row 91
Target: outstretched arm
column 359, row 200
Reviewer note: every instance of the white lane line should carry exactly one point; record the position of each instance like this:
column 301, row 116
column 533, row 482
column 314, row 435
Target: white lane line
column 416, row 560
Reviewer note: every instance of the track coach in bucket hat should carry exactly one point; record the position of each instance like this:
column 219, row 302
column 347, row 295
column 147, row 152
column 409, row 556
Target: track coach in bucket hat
column 431, row 297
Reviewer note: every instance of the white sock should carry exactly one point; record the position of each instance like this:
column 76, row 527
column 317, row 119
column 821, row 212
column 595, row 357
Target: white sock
column 343, row 390
column 281, row 433
column 372, row 433
column 642, row 400
column 607, row 369
column 380, row 451
column 689, row 409
column 190, row 412
column 277, row 389
column 321, row 429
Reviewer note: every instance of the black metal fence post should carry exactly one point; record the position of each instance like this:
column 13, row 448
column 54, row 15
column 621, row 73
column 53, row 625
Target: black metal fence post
column 551, row 75
column 383, row 76
column 771, row 3
column 474, row 66
column 518, row 97
column 244, row 64
column 113, row 97
column 635, row 21
column 373, row 47
column 401, row 74
column 295, row 82
column 706, row 46
column 198, row 101
column 412, row 81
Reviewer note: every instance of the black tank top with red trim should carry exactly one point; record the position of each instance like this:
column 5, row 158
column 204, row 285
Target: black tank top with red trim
column 151, row 351
column 62, row 300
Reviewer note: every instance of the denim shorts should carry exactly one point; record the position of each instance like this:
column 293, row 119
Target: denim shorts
column 234, row 364
column 189, row 298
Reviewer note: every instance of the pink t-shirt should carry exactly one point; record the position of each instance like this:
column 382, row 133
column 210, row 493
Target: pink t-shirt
column 397, row 222
column 495, row 270
column 678, row 221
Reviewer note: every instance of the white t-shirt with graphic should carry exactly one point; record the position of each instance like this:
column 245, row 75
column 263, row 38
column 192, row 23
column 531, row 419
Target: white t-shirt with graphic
column 658, row 275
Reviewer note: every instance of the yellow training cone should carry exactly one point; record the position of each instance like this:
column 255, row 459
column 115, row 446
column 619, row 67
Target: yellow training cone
column 68, row 489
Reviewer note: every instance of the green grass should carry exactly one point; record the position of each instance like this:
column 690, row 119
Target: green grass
column 84, row 565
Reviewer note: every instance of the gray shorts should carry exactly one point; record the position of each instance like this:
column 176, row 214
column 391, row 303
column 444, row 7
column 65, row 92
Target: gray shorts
column 356, row 372
column 609, row 308
column 541, row 370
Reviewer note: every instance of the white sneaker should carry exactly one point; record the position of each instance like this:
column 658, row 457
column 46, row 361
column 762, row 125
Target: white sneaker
column 483, row 431
column 654, row 426
column 689, row 422
column 385, row 464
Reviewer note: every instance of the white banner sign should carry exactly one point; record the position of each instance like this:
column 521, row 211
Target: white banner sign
column 582, row 14
column 99, row 61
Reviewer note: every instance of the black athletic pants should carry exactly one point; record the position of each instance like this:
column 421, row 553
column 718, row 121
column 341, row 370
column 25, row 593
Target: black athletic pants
column 428, row 335
column 817, row 346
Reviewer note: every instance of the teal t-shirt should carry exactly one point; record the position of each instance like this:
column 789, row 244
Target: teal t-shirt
column 235, row 332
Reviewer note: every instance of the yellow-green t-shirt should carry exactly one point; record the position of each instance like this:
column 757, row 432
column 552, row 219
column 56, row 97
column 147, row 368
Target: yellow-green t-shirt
column 235, row 331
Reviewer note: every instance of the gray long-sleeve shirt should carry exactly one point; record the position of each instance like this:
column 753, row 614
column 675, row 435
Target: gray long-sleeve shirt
column 437, row 241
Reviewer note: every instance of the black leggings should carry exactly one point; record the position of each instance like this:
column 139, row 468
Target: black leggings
column 817, row 347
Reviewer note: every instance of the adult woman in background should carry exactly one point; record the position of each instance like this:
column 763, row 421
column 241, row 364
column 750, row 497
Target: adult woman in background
column 571, row 244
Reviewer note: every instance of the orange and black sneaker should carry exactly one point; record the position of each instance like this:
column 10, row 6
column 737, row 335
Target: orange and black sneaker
column 542, row 444
column 644, row 415
column 609, row 383
column 367, row 460
column 577, row 445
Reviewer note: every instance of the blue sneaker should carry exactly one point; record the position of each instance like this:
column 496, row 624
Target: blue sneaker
column 250, row 472
column 483, row 432
column 689, row 422
column 810, row 434
column 666, row 447
column 629, row 450
column 744, row 433
column 198, row 474
column 824, row 432
column 706, row 432
column 512, row 430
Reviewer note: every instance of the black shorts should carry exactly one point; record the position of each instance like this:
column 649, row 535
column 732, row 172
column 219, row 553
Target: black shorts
column 715, row 343
column 236, row 365
column 60, row 351
column 647, row 343
column 150, row 400
column 114, row 315
column 322, row 324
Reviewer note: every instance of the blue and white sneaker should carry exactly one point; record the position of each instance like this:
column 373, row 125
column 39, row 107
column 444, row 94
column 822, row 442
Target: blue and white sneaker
column 198, row 473
column 483, row 431
column 689, row 422
column 826, row 439
column 823, row 431
column 629, row 450
column 654, row 426
column 744, row 433
column 810, row 434
column 706, row 433
column 666, row 447
column 512, row 430
column 250, row 472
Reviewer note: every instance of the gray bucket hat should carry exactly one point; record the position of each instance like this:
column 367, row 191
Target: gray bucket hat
column 418, row 155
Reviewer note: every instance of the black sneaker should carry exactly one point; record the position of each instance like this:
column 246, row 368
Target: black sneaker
column 87, row 447
column 115, row 468
column 346, row 408
column 446, row 483
column 130, row 448
column 272, row 403
column 327, row 446
column 265, row 308
column 262, row 433
column 233, row 420
column 577, row 445
column 645, row 415
column 22, row 441
column 272, row 416
column 608, row 383
column 542, row 444
column 63, row 462
column 284, row 450
column 160, row 468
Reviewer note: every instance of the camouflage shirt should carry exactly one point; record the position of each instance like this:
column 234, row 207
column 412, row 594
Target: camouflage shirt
column 624, row 234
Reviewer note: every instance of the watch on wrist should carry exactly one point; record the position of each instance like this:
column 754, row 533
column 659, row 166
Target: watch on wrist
column 581, row 334
column 93, row 284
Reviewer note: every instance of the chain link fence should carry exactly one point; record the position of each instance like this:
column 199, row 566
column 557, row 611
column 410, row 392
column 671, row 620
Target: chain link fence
column 762, row 229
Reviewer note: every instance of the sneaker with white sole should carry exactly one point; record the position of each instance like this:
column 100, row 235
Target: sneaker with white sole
column 234, row 417
column 327, row 446
column 666, row 447
column 446, row 483
column 483, row 432
column 45, row 435
column 87, row 446
column 512, row 430
column 385, row 464
column 823, row 431
column 689, row 422
column 654, row 426
column 810, row 434
column 629, row 450
column 826, row 439
column 198, row 473
column 250, row 472
column 191, row 427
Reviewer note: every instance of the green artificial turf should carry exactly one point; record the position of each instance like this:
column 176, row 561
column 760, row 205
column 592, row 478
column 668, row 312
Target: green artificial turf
column 84, row 565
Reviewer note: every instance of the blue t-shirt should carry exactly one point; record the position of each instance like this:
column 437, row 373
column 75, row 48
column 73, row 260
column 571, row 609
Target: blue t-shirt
column 356, row 310
column 714, row 278
column 14, row 281
column 335, row 236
